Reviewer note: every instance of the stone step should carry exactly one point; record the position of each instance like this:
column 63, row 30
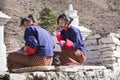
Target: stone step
column 74, row 68
column 32, row 69
column 71, row 68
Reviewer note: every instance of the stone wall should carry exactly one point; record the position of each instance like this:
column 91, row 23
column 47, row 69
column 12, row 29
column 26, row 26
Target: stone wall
column 3, row 61
column 103, row 50
column 66, row 73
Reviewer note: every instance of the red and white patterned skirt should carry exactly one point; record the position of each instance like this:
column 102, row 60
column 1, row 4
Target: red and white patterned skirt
column 75, row 57
column 16, row 60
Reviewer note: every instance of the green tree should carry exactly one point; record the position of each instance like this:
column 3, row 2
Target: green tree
column 48, row 19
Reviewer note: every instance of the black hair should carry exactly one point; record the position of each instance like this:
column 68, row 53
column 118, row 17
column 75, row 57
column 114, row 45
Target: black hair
column 23, row 20
column 30, row 16
column 33, row 18
column 68, row 20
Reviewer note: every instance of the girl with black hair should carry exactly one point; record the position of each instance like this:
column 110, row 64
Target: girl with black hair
column 33, row 19
column 71, row 42
column 38, row 50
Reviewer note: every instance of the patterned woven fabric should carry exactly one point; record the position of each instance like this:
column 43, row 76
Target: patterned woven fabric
column 68, row 57
column 15, row 60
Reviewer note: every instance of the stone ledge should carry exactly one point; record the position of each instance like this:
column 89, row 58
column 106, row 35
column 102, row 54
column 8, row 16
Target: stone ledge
column 70, row 68
column 32, row 69
column 79, row 68
column 82, row 72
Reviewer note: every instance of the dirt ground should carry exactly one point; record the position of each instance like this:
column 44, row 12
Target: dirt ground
column 101, row 16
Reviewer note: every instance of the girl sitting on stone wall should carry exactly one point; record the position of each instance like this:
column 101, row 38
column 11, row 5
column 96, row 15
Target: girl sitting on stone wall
column 70, row 39
column 38, row 49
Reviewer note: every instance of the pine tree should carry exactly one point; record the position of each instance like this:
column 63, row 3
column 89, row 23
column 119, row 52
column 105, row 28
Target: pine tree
column 48, row 19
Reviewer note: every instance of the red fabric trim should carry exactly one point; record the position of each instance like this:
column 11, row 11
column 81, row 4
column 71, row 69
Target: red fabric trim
column 69, row 44
column 67, row 27
column 59, row 38
column 31, row 51
column 32, row 23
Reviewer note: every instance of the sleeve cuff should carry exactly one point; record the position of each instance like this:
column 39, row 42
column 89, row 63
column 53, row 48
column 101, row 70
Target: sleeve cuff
column 59, row 37
column 31, row 51
column 69, row 44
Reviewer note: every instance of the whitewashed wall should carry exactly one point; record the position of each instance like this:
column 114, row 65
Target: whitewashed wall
column 103, row 50
column 3, row 19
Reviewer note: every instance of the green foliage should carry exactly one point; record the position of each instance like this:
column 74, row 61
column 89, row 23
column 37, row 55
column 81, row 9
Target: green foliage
column 48, row 19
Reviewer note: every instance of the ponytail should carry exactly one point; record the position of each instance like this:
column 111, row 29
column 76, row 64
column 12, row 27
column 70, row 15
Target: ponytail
column 33, row 19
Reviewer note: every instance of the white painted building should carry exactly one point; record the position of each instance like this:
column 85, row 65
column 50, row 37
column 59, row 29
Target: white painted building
column 3, row 63
column 73, row 14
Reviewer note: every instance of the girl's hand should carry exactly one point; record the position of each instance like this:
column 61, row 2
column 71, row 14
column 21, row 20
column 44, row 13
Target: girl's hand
column 23, row 50
column 62, row 43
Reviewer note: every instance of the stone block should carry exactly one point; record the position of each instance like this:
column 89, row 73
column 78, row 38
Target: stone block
column 114, row 35
column 106, row 49
column 92, row 48
column 108, row 62
column 90, row 73
column 118, row 64
column 116, row 54
column 93, row 54
column 103, row 46
column 94, row 36
column 118, row 48
column 118, row 60
column 73, row 68
column 109, row 40
column 100, row 61
column 23, row 76
column 106, row 54
column 114, row 65
column 91, row 42
column 111, row 53
column 38, row 74
column 36, row 68
column 108, row 59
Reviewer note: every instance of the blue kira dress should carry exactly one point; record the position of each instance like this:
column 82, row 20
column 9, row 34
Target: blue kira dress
column 73, row 53
column 35, row 37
